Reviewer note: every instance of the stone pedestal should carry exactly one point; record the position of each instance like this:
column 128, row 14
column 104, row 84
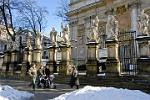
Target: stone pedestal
column 144, row 55
column 92, row 62
column 143, row 44
column 52, row 59
column 112, row 62
column 143, row 66
column 37, row 56
column 14, row 60
column 65, row 63
column 27, row 59
column 7, row 61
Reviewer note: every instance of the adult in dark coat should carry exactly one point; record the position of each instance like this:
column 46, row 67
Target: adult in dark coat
column 74, row 78
column 47, row 71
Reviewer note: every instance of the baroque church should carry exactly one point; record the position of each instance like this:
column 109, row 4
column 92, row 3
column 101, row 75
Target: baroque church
column 82, row 13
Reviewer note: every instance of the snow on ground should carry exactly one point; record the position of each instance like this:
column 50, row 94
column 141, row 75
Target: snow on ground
column 104, row 93
column 8, row 93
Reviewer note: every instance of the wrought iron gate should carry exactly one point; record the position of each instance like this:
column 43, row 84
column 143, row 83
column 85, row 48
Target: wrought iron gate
column 128, row 52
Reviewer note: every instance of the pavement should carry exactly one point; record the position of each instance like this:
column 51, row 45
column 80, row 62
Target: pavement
column 40, row 94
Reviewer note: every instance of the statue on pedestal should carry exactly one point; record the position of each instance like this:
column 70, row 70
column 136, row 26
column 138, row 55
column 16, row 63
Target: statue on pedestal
column 53, row 35
column 16, row 44
column 9, row 44
column 38, row 41
column 143, row 22
column 29, row 40
column 93, row 36
column 66, row 31
column 65, row 39
column 112, row 28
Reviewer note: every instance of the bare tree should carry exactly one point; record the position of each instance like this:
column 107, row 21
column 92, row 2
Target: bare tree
column 22, row 13
column 32, row 16
column 7, row 17
column 63, row 9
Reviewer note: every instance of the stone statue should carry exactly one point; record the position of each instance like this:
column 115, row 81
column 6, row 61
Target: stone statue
column 112, row 28
column 29, row 40
column 53, row 35
column 9, row 44
column 93, row 36
column 38, row 41
column 65, row 36
column 143, row 22
column 16, row 43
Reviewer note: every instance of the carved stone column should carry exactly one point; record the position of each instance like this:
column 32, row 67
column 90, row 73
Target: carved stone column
column 65, row 60
column 134, row 16
column 91, row 64
column 112, row 62
column 144, row 52
column 52, row 59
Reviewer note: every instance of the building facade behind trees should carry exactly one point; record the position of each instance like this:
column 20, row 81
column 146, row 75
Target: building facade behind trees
column 83, row 11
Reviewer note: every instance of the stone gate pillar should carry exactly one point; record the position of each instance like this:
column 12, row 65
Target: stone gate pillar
column 14, row 60
column 92, row 62
column 65, row 60
column 27, row 60
column 112, row 62
column 7, row 61
column 143, row 61
column 37, row 56
column 52, row 59
column 37, row 51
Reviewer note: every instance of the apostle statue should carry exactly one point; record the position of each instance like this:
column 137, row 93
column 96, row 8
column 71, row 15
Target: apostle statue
column 143, row 22
column 38, row 41
column 65, row 34
column 9, row 44
column 29, row 40
column 93, row 36
column 112, row 28
column 16, row 43
column 53, row 35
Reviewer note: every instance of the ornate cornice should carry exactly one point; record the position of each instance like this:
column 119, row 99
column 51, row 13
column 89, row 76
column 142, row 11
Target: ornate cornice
column 87, row 8
column 72, row 3
column 122, row 6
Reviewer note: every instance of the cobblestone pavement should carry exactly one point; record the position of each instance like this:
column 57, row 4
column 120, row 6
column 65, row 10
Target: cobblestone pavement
column 40, row 94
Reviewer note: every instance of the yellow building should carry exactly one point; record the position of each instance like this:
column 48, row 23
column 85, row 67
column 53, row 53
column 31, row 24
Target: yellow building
column 83, row 11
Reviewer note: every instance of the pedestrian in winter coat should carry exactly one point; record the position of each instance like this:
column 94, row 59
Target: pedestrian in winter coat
column 47, row 72
column 33, row 73
column 74, row 78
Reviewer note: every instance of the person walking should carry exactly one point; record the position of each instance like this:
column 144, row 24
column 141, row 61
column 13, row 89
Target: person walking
column 33, row 73
column 74, row 78
column 40, row 73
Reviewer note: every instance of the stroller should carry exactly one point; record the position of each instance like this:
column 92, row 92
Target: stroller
column 47, row 82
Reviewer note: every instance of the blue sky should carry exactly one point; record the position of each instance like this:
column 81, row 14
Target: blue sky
column 52, row 19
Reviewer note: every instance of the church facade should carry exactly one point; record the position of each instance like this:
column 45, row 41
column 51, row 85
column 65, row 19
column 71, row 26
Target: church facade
column 82, row 12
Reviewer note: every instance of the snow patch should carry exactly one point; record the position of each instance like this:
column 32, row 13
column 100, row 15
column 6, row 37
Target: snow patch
column 8, row 93
column 103, row 93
